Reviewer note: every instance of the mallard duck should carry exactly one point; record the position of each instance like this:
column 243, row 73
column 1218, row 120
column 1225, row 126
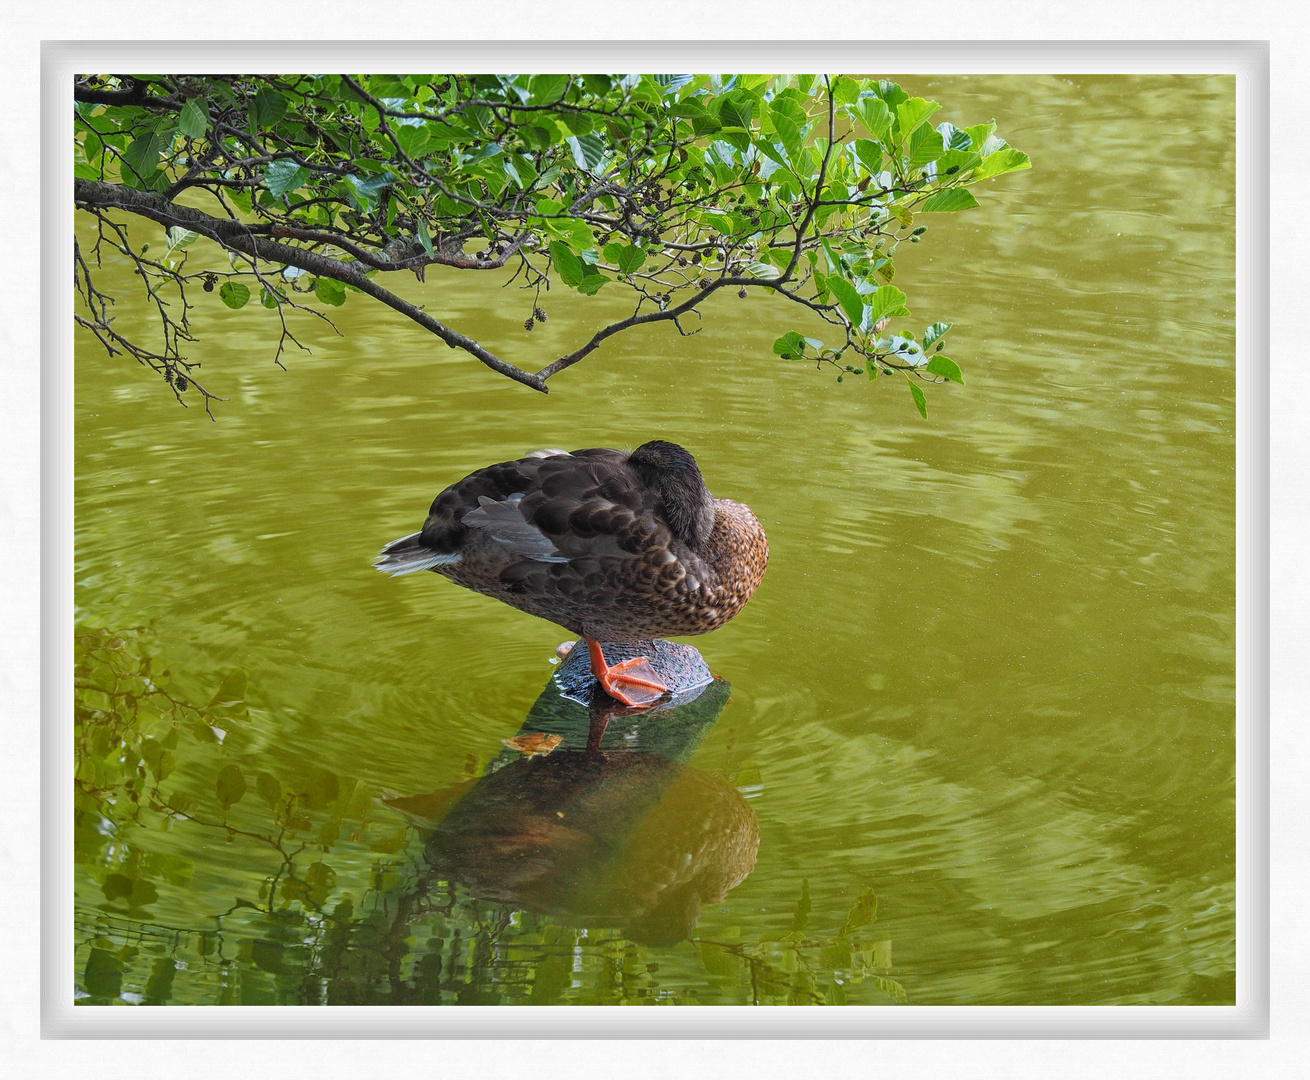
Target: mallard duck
column 610, row 545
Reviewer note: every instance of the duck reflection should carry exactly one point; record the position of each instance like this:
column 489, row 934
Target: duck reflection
column 611, row 827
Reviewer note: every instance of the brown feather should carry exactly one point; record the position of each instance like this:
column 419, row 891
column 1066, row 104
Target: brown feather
column 638, row 547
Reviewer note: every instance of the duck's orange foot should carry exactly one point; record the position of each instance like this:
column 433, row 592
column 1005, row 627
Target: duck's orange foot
column 633, row 682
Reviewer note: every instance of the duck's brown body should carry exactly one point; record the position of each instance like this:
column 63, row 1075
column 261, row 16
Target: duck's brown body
column 610, row 545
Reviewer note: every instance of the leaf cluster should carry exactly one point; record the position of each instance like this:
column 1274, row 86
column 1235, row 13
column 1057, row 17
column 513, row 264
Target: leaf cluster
column 669, row 187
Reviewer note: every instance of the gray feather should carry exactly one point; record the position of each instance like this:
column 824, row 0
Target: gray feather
column 504, row 522
column 408, row 556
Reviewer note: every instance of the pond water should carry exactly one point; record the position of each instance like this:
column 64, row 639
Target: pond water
column 972, row 741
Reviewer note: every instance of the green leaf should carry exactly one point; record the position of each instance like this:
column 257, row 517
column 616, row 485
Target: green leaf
column 851, row 301
column 935, row 332
column 284, row 175
column 734, row 110
column 270, row 106
column 330, row 291
column 946, row 367
column 234, row 294
column 588, row 151
column 875, row 115
column 954, row 138
column 629, row 258
column 766, row 271
column 671, row 84
column 179, row 239
column 159, row 761
column 546, row 89
column 367, row 191
column 910, row 114
column 591, row 284
column 886, row 301
column 193, row 121
column 424, row 237
column 230, row 786
column 143, row 155
column 413, row 139
column 949, row 200
column 788, row 131
column 1005, row 160
column 920, row 402
column 925, row 146
column 791, row 346
column 568, row 264
column 845, row 90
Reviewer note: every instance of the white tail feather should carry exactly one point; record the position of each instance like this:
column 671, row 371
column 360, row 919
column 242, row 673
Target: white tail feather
column 405, row 556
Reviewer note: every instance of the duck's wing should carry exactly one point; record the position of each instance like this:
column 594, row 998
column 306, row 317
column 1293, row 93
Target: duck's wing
column 504, row 522
column 592, row 503
column 546, row 509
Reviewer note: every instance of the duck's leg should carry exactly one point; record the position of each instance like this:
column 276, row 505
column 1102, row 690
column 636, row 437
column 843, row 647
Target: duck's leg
column 633, row 682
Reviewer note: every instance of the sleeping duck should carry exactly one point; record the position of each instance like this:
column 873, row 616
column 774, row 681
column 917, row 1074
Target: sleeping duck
column 610, row 545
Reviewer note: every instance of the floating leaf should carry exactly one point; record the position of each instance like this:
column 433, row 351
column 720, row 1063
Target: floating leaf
column 531, row 745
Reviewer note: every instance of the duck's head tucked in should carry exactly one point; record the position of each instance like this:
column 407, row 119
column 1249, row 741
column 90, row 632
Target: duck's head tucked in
column 612, row 546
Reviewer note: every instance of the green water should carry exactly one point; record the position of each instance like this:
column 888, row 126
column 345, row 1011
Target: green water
column 981, row 710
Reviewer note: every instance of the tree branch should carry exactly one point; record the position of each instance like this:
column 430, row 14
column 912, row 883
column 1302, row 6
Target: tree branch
column 235, row 236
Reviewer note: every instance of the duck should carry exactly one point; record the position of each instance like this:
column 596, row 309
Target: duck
column 614, row 546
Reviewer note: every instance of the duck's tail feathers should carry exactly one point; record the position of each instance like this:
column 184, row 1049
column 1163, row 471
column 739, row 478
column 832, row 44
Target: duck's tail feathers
column 409, row 555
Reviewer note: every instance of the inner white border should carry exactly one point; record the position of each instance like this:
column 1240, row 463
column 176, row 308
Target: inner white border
column 1249, row 1018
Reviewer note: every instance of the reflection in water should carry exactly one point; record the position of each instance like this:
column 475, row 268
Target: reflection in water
column 573, row 874
column 991, row 669
column 618, row 832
